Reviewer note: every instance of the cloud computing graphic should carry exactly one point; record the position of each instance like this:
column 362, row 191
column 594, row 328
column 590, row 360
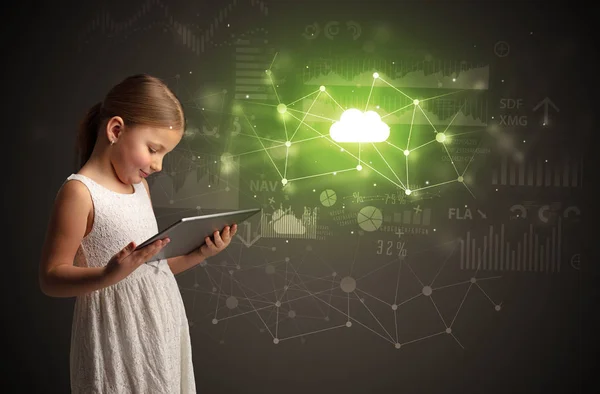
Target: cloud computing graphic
column 346, row 169
column 387, row 142
column 367, row 172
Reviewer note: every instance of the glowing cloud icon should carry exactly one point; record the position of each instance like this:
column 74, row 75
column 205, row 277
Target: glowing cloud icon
column 358, row 126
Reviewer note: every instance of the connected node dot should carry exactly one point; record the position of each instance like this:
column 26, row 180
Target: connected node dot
column 407, row 192
column 292, row 314
column 284, row 181
column 231, row 302
column 461, row 179
column 226, row 157
column 473, row 280
column 359, row 167
column 497, row 308
column 394, row 307
column 406, row 152
column 416, row 102
column 375, row 75
column 214, row 321
column 348, row 284
column 397, row 345
column 427, row 290
column 275, row 341
column 322, row 88
column 448, row 330
column 288, row 143
column 268, row 72
column 287, row 259
column 326, row 318
column 440, row 137
column 282, row 108
column 278, row 304
column 348, row 324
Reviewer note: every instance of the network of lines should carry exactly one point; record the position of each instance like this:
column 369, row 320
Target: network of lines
column 300, row 304
column 293, row 119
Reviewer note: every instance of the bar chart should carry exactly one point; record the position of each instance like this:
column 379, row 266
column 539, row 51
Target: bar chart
column 538, row 172
column 419, row 217
column 533, row 251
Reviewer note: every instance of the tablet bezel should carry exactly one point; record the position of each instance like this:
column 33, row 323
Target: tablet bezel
column 161, row 234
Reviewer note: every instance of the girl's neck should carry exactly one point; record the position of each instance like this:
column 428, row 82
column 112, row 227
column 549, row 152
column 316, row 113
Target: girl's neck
column 100, row 169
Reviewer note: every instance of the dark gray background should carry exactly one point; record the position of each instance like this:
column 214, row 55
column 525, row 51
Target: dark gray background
column 542, row 341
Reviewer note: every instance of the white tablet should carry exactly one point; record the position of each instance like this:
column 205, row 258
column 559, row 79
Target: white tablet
column 188, row 234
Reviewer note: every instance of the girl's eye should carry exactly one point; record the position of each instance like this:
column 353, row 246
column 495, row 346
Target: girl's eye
column 151, row 150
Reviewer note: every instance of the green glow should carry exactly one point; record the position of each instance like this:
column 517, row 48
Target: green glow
column 227, row 157
column 358, row 126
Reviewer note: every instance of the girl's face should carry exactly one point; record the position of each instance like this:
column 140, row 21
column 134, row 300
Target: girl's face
column 139, row 151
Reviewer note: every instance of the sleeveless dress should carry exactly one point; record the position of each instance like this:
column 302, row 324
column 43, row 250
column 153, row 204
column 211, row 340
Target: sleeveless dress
column 133, row 336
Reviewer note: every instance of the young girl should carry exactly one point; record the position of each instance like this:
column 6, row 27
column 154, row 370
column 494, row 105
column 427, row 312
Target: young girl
column 130, row 332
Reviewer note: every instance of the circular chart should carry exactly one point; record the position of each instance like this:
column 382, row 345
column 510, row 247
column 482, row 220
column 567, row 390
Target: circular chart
column 328, row 197
column 369, row 218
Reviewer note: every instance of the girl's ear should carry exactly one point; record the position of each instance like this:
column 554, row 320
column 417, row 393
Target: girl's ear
column 114, row 128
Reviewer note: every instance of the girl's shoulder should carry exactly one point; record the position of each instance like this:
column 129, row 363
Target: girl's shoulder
column 75, row 193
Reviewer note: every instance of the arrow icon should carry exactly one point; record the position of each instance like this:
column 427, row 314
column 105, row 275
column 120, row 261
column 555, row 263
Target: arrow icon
column 546, row 102
column 248, row 240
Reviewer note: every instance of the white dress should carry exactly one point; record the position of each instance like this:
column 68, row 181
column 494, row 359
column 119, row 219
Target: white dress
column 133, row 336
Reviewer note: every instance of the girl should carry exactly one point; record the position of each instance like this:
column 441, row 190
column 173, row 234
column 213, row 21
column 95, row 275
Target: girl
column 130, row 332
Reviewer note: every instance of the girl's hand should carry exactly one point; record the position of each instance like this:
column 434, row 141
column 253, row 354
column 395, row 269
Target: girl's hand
column 128, row 259
column 211, row 248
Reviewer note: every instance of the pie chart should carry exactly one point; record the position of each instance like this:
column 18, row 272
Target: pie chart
column 369, row 218
column 328, row 197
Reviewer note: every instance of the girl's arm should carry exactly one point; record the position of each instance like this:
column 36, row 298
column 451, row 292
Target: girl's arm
column 182, row 263
column 58, row 277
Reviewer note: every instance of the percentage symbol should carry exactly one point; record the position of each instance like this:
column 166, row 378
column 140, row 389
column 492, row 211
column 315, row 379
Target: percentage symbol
column 401, row 249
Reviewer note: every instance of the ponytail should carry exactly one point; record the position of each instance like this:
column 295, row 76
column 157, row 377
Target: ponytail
column 88, row 134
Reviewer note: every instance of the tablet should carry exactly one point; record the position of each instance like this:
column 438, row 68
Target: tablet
column 188, row 234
